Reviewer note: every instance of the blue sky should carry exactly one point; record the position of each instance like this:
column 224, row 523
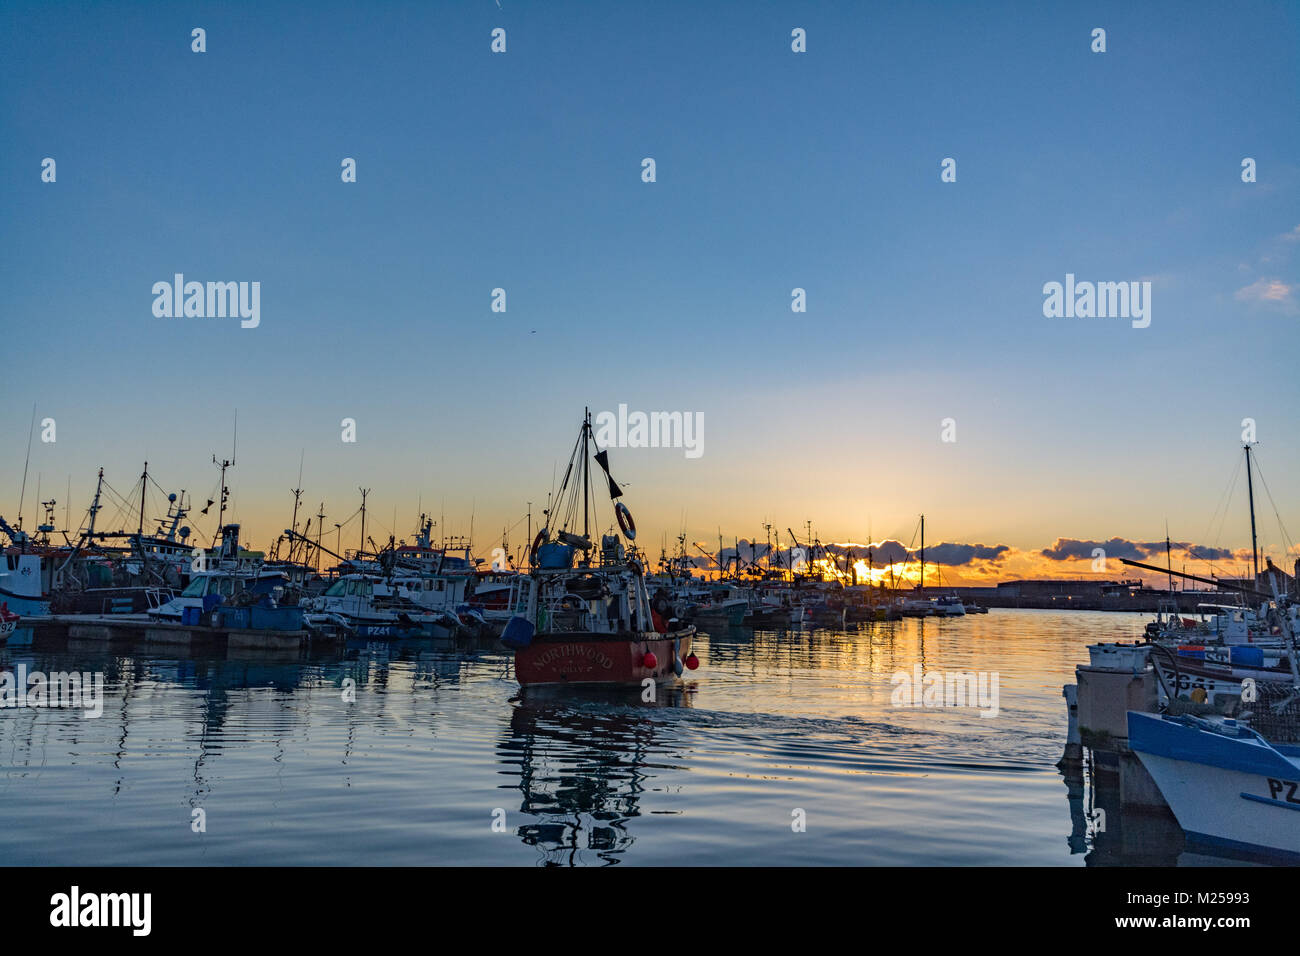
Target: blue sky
column 775, row 170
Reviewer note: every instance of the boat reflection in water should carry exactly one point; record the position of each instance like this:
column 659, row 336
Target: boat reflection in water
column 401, row 753
column 584, row 761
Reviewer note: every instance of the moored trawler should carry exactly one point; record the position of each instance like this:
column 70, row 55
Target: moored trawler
column 8, row 622
column 589, row 618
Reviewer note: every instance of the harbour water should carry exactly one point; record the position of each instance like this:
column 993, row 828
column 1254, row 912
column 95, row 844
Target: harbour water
column 783, row 748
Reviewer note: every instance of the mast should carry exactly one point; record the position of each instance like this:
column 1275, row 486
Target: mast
column 88, row 538
column 94, row 507
column 320, row 523
column 22, row 495
column 922, row 585
column 1169, row 561
column 1254, row 547
column 586, row 477
column 364, row 492
column 144, row 483
column 223, row 464
column 297, row 498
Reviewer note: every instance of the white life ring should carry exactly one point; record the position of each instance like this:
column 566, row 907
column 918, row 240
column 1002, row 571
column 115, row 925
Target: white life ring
column 625, row 521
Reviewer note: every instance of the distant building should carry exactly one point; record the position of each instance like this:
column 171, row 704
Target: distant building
column 1076, row 589
column 1085, row 595
column 1269, row 575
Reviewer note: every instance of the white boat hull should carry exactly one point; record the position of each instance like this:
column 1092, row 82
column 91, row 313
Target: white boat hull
column 1239, row 794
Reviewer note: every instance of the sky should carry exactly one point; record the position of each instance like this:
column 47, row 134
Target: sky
column 775, row 170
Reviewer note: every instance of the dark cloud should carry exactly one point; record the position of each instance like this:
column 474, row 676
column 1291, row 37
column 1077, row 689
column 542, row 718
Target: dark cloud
column 886, row 552
column 955, row 555
column 895, row 552
column 1203, row 552
column 1199, row 552
column 1066, row 549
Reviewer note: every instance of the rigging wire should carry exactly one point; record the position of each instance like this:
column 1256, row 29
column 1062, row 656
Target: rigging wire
column 1282, row 527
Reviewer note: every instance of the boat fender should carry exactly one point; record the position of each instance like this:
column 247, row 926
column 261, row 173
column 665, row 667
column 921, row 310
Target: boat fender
column 692, row 662
column 625, row 521
column 518, row 632
column 650, row 661
column 677, row 657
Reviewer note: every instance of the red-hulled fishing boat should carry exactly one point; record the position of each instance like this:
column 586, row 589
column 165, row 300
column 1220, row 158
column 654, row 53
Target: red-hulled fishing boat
column 589, row 617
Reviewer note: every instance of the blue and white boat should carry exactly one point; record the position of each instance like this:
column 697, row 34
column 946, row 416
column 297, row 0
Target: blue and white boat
column 373, row 606
column 210, row 589
column 949, row 605
column 25, row 581
column 1227, row 786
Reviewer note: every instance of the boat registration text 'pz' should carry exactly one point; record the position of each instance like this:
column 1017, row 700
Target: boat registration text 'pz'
column 1275, row 787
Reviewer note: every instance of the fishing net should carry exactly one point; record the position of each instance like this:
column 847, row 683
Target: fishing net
column 1275, row 711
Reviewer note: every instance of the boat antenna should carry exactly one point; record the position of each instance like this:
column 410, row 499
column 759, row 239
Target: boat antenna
column 223, row 464
column 23, row 494
column 364, row 492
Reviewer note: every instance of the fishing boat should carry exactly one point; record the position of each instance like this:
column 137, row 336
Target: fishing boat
column 718, row 606
column 374, row 606
column 208, row 590
column 916, row 607
column 948, row 606
column 8, row 622
column 25, row 581
column 1184, row 671
column 1217, row 623
column 589, row 617
column 763, row 614
column 498, row 596
column 1227, row 786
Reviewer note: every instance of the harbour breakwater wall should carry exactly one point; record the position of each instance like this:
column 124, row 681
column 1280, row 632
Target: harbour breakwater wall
column 1061, row 597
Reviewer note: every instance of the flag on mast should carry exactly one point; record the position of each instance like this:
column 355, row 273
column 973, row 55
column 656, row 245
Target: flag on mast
column 602, row 459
